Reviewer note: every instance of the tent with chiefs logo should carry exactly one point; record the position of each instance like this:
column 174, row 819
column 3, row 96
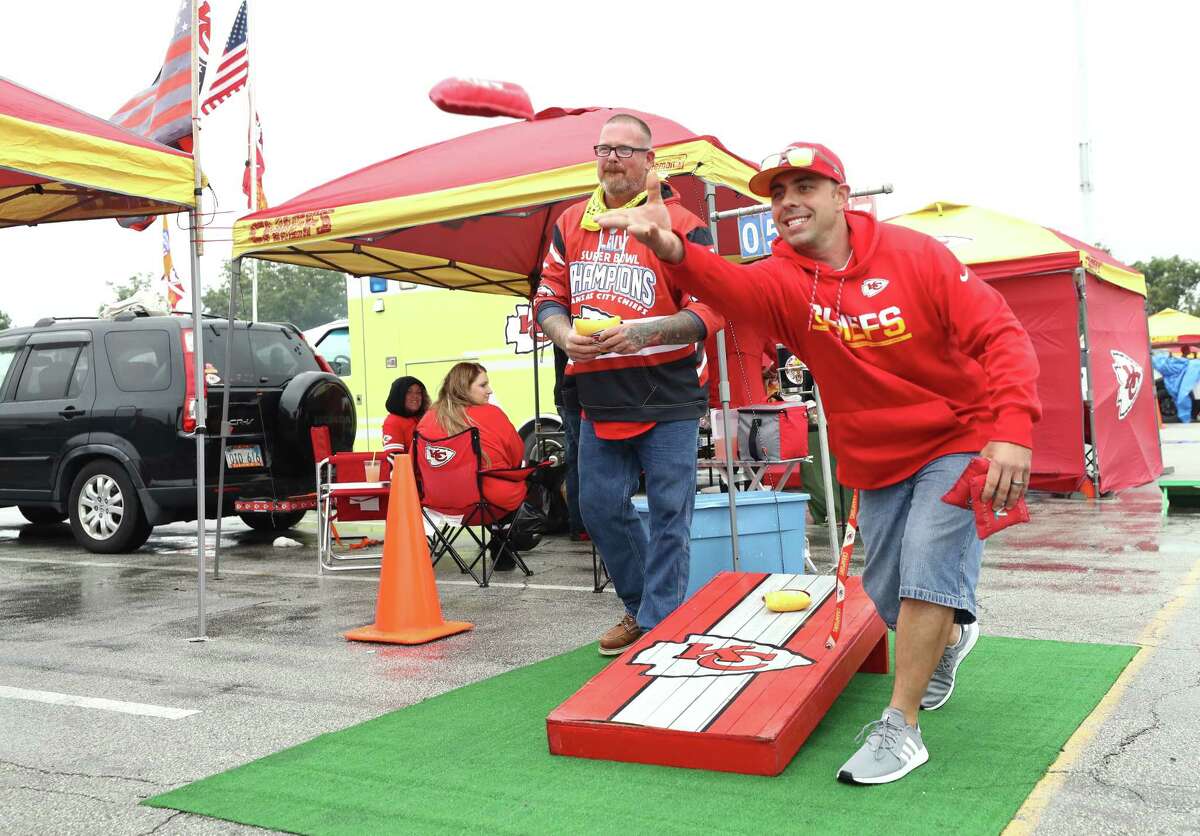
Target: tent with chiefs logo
column 475, row 212
column 1085, row 312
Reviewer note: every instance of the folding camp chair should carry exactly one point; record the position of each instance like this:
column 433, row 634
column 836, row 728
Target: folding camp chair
column 450, row 478
column 345, row 495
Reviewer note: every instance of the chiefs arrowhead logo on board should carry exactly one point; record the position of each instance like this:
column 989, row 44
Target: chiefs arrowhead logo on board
column 438, row 456
column 1129, row 381
column 705, row 655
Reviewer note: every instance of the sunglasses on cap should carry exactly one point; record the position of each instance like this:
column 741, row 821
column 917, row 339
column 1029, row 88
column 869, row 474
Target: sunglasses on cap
column 798, row 157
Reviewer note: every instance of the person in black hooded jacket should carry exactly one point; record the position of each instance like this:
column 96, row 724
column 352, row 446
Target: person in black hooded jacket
column 406, row 404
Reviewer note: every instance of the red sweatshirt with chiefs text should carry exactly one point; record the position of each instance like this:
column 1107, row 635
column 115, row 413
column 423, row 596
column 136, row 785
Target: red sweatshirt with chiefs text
column 916, row 356
column 611, row 273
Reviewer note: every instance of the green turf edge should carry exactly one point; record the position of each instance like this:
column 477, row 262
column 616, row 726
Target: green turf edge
column 957, row 789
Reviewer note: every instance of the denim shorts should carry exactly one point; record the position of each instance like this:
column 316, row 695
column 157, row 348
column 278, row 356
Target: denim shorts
column 918, row 546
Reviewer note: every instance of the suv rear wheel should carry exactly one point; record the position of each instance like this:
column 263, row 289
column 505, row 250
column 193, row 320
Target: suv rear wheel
column 272, row 521
column 106, row 514
column 40, row 515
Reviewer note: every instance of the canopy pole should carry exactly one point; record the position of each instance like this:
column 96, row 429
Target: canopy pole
column 830, row 506
column 197, row 241
column 710, row 195
column 252, row 151
column 537, row 389
column 764, row 208
column 235, row 276
column 1085, row 347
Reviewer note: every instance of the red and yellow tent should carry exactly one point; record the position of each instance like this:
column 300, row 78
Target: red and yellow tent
column 60, row 164
column 1085, row 312
column 1170, row 328
column 474, row 212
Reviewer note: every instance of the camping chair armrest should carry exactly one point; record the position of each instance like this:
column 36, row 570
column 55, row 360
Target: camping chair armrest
column 509, row 474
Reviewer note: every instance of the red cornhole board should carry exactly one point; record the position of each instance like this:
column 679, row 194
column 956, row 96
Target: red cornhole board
column 723, row 683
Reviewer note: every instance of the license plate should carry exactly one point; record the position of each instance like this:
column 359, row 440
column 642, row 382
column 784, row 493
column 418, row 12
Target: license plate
column 248, row 455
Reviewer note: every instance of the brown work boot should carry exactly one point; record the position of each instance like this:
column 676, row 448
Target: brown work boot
column 614, row 642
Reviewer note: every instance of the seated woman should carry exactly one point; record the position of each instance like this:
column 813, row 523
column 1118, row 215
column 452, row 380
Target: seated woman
column 462, row 403
column 407, row 403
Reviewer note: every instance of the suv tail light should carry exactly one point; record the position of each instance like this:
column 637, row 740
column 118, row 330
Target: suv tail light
column 190, row 412
column 323, row 363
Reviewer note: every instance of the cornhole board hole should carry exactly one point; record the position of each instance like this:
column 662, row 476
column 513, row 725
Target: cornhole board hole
column 723, row 683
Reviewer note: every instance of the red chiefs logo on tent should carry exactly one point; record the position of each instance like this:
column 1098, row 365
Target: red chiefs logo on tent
column 438, row 456
column 704, row 655
column 1129, row 381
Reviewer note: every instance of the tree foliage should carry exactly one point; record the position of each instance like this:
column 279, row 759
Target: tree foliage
column 303, row 296
column 5, row 321
column 1171, row 283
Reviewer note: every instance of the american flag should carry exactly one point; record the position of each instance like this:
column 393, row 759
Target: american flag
column 234, row 69
column 175, row 292
column 163, row 111
column 260, row 167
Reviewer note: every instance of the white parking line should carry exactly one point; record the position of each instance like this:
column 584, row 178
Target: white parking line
column 54, row 698
column 311, row 576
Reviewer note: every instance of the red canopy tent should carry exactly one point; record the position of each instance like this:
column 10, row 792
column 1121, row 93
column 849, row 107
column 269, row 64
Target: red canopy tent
column 1085, row 312
column 474, row 212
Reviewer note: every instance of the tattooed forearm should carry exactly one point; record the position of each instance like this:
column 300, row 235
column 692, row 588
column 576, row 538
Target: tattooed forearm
column 677, row 329
column 556, row 327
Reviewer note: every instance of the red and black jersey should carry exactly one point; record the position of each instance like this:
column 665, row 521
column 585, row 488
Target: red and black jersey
column 610, row 273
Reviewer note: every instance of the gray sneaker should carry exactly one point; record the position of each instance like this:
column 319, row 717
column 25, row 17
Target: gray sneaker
column 941, row 684
column 892, row 750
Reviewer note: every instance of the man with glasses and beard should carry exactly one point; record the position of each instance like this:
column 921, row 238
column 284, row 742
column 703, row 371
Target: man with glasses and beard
column 922, row 366
column 640, row 383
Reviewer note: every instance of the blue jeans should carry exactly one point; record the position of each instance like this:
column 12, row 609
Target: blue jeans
column 570, row 425
column 918, row 546
column 650, row 574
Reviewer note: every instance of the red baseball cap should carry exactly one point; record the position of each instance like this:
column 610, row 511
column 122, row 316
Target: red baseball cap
column 809, row 156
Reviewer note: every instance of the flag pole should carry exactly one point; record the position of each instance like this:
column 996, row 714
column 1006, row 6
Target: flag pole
column 197, row 242
column 252, row 150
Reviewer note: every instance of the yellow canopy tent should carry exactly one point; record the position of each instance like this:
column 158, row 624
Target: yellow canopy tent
column 1085, row 313
column 1170, row 327
column 60, row 164
column 998, row 245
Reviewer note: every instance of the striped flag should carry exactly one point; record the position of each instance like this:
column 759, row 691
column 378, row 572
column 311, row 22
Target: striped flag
column 163, row 111
column 260, row 167
column 175, row 290
column 234, row 70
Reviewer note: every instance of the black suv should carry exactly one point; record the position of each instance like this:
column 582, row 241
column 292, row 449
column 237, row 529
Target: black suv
column 98, row 419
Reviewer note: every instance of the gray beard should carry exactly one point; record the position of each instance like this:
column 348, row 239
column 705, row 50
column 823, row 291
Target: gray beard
column 620, row 184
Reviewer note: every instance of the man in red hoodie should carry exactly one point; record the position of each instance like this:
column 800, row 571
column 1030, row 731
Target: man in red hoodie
column 640, row 384
column 922, row 365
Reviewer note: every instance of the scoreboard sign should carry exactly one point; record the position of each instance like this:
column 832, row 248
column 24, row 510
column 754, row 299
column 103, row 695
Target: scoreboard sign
column 723, row 683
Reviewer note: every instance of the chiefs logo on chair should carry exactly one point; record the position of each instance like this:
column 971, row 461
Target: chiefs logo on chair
column 438, row 456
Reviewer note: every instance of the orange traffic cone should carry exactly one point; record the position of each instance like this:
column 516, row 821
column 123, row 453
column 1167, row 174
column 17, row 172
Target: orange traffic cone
column 407, row 610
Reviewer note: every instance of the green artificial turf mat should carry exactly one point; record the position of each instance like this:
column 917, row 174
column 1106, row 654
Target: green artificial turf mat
column 475, row 760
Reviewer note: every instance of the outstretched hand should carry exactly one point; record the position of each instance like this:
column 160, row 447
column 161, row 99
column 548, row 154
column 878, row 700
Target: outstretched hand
column 650, row 223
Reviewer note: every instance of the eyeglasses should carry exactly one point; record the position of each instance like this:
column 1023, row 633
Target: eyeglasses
column 623, row 151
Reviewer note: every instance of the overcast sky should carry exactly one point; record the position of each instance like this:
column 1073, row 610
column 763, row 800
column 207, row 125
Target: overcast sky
column 967, row 102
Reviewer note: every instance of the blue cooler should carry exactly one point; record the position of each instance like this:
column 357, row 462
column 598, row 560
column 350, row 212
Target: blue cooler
column 770, row 533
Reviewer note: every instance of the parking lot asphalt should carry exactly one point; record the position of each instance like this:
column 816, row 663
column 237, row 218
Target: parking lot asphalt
column 275, row 670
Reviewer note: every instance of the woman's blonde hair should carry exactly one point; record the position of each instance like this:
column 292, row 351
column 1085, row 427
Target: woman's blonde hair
column 453, row 400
